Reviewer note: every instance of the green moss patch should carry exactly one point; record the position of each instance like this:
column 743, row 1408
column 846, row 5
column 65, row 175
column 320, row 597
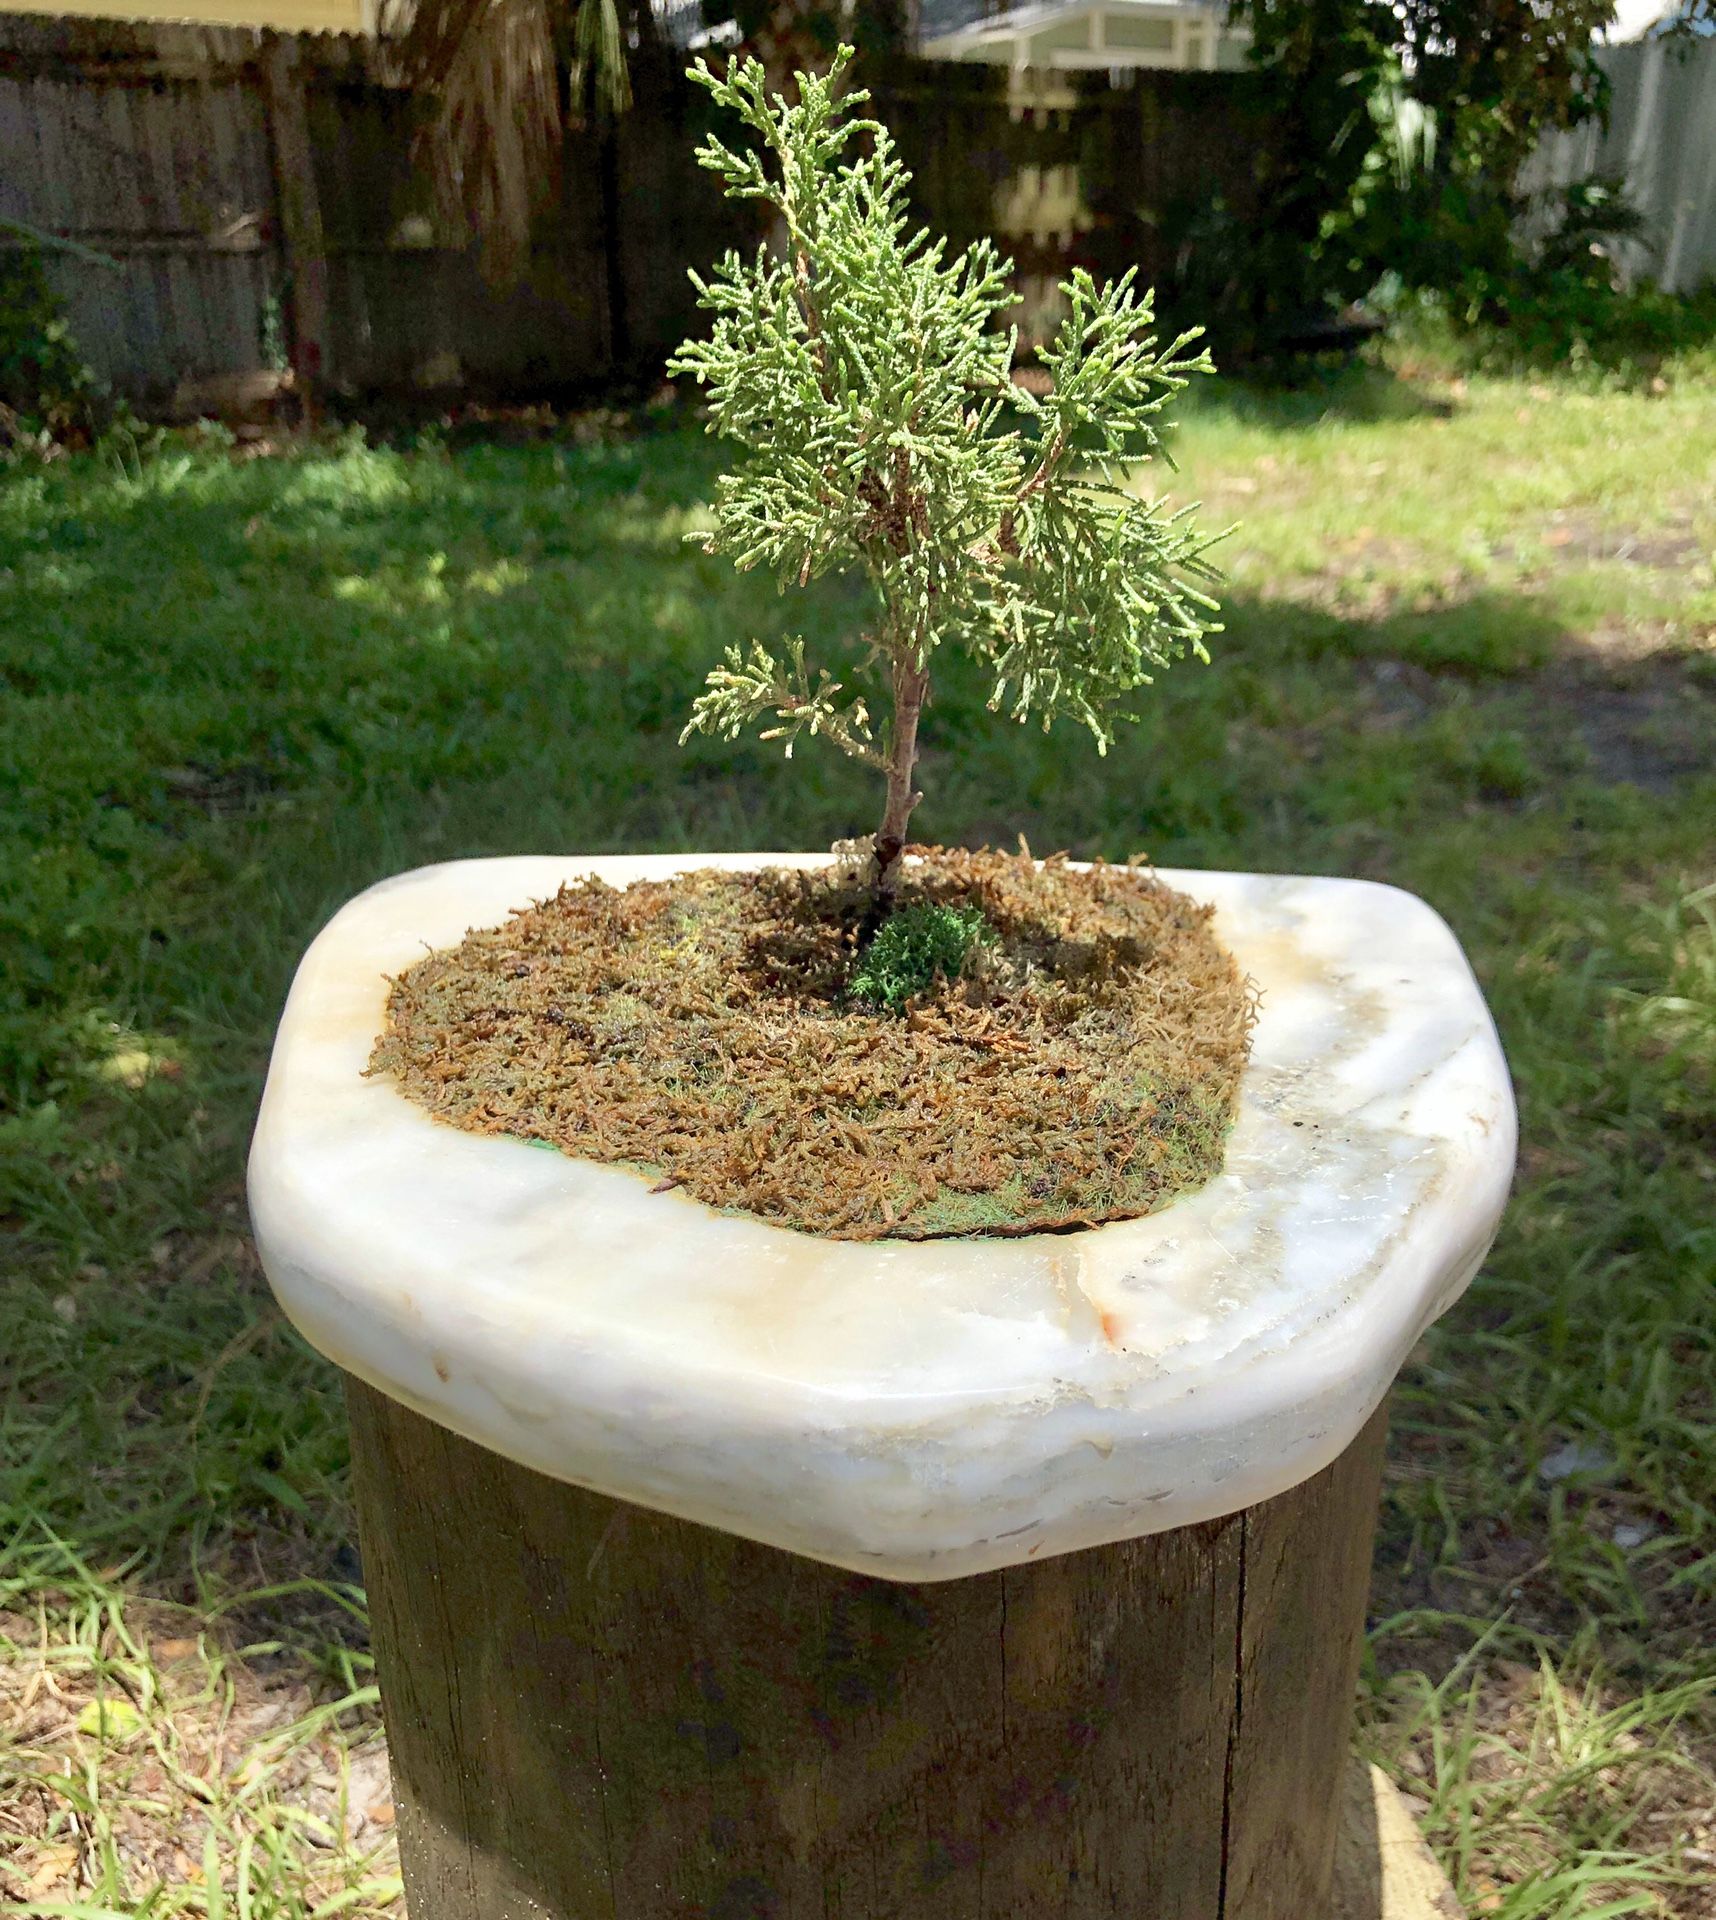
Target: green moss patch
column 1077, row 1063
column 916, row 950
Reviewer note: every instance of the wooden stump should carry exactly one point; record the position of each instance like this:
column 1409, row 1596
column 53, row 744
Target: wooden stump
column 595, row 1710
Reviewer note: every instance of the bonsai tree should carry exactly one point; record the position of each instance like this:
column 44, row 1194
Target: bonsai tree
column 860, row 369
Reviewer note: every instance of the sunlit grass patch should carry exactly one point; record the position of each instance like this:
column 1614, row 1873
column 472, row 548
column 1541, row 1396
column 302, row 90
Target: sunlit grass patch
column 153, row 1767
column 1549, row 1797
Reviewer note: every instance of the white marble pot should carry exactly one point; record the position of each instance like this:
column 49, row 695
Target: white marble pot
column 917, row 1411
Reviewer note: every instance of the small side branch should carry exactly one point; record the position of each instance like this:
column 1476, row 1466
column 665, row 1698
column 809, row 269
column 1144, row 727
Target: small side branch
column 748, row 686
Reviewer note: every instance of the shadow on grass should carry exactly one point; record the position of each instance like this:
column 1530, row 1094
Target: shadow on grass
column 1309, row 392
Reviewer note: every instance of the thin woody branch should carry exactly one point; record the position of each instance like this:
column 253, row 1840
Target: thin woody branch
column 1045, row 468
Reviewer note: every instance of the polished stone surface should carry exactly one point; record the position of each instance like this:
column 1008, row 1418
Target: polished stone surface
column 913, row 1410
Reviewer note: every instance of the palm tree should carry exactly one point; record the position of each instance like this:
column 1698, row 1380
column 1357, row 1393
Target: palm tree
column 507, row 78
column 510, row 77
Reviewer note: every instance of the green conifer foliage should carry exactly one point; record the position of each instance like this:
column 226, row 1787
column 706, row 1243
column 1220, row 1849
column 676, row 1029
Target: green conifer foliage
column 859, row 369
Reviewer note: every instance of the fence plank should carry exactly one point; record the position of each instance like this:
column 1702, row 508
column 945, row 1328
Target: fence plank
column 300, row 209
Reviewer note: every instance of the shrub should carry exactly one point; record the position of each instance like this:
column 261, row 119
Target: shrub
column 49, row 395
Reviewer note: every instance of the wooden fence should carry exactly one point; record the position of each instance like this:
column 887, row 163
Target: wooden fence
column 1660, row 142
column 234, row 199
column 252, row 196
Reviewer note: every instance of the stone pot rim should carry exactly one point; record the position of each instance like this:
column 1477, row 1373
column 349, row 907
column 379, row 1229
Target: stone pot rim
column 912, row 1409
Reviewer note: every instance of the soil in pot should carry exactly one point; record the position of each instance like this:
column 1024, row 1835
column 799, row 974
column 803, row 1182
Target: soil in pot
column 1082, row 1066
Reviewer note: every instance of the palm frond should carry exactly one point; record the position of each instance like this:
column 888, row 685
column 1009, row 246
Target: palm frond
column 492, row 147
column 599, row 58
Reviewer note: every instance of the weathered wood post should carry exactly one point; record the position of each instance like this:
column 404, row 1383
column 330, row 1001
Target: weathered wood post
column 594, row 1709
column 302, row 244
column 726, row 1572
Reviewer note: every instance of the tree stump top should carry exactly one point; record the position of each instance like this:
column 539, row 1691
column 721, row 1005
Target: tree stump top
column 924, row 1410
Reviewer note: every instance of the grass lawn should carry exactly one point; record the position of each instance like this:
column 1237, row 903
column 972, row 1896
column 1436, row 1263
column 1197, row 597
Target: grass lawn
column 1471, row 649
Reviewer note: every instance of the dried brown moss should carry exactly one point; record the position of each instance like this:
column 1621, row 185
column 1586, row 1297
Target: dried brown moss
column 698, row 1029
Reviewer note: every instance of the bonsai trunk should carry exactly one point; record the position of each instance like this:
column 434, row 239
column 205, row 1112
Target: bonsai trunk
column 911, row 686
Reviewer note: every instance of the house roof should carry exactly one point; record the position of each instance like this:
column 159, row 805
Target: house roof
column 999, row 34
column 286, row 16
column 940, row 17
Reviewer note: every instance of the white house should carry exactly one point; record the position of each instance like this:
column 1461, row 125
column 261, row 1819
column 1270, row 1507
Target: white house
column 1067, row 35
